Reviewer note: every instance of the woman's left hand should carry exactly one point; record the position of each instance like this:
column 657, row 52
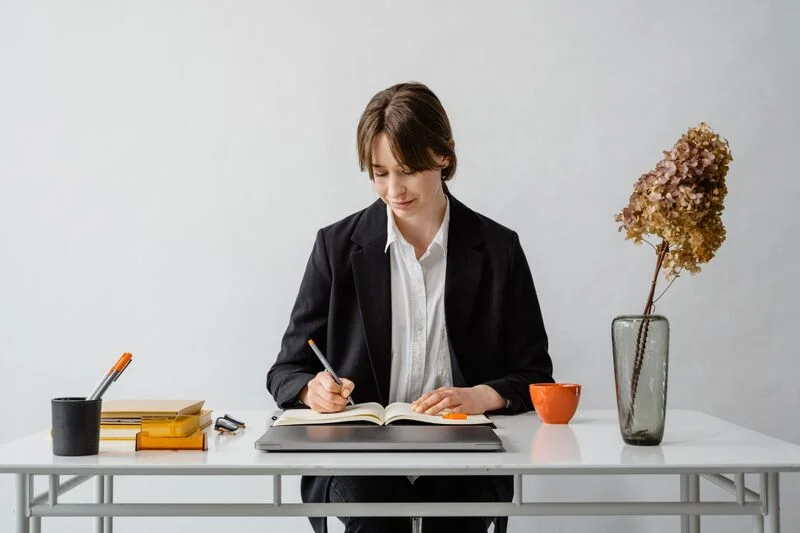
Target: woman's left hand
column 470, row 400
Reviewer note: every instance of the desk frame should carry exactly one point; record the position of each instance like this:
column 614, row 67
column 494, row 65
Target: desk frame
column 763, row 505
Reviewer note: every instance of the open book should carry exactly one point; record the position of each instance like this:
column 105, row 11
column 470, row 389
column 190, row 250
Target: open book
column 374, row 413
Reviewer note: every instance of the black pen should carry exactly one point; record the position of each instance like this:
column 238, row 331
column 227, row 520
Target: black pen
column 327, row 366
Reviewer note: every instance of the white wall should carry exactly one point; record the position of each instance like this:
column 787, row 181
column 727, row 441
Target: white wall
column 164, row 166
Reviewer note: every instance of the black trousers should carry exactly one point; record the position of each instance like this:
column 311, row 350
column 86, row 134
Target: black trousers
column 425, row 489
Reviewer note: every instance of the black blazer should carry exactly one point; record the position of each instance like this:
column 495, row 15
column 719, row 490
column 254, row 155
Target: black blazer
column 492, row 314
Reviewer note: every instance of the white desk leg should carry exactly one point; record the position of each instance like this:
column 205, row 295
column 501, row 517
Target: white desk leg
column 23, row 498
column 36, row 521
column 758, row 520
column 773, row 522
column 694, row 497
column 416, row 524
column 276, row 489
column 53, row 481
column 758, row 523
column 684, row 498
column 108, row 521
column 99, row 493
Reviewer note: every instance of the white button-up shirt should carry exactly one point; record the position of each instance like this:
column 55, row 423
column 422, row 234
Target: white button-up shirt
column 420, row 349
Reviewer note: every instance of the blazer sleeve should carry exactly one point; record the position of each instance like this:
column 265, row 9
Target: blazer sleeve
column 525, row 337
column 296, row 364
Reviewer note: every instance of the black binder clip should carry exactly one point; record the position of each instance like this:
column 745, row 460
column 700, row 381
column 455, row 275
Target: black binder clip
column 228, row 424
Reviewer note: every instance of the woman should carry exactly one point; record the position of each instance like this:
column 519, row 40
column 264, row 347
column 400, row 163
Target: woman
column 418, row 299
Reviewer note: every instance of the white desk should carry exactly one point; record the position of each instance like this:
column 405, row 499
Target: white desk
column 695, row 446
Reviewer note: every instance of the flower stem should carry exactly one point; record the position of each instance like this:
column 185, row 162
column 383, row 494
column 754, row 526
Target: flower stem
column 641, row 337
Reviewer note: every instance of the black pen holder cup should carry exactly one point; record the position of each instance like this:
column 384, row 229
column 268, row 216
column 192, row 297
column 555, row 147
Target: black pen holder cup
column 76, row 426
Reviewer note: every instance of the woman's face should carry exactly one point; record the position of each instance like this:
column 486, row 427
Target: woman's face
column 408, row 194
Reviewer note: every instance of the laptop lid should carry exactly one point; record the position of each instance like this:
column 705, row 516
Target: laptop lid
column 345, row 437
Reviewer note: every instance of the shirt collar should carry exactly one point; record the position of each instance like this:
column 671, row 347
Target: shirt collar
column 444, row 230
column 393, row 234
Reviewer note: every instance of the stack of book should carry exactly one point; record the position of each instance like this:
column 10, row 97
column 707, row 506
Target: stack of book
column 156, row 424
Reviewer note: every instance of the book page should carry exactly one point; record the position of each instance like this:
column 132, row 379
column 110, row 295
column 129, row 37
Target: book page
column 361, row 412
column 402, row 411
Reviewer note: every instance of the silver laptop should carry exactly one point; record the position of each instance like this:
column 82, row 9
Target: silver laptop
column 362, row 438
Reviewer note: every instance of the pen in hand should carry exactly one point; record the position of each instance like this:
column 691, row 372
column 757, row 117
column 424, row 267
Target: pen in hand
column 328, row 367
column 111, row 376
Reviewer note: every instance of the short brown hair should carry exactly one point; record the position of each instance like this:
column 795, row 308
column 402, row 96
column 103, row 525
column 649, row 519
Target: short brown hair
column 416, row 124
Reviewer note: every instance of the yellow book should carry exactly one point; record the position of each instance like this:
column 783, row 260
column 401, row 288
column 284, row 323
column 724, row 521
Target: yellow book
column 195, row 441
column 179, row 426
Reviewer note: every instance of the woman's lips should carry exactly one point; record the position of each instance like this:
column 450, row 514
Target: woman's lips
column 402, row 205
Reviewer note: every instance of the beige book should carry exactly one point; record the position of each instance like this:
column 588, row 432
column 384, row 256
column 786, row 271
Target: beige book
column 374, row 413
column 131, row 411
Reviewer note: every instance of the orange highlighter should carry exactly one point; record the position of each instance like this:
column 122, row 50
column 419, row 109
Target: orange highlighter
column 454, row 416
column 111, row 376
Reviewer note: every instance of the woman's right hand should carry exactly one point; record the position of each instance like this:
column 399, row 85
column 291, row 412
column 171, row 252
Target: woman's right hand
column 324, row 395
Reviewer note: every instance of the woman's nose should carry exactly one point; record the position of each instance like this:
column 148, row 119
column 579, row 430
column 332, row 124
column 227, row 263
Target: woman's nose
column 396, row 187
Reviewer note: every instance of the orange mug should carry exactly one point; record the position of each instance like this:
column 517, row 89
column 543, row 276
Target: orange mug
column 555, row 403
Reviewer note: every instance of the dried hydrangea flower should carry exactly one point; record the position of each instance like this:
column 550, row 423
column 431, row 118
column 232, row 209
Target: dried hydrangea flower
column 681, row 201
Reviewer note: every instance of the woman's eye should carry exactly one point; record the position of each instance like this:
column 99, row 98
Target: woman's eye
column 380, row 174
column 409, row 172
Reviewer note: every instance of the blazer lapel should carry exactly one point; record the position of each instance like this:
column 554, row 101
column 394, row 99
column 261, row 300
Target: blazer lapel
column 465, row 258
column 372, row 278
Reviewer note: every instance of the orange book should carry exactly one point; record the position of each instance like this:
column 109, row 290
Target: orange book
column 195, row 441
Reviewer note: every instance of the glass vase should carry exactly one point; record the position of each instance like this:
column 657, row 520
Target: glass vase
column 641, row 352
